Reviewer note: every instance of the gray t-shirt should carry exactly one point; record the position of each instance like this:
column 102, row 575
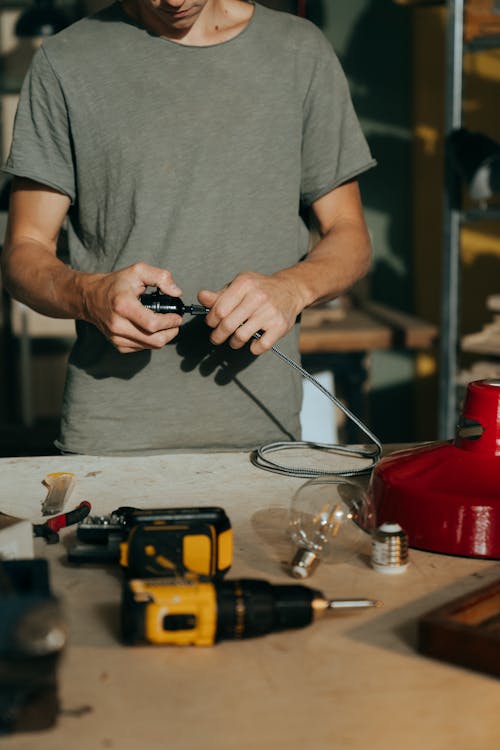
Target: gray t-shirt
column 194, row 159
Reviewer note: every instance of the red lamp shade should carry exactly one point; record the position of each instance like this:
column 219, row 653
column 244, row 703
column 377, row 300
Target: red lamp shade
column 446, row 495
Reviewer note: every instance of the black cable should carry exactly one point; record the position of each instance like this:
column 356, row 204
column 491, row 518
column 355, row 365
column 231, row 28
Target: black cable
column 164, row 303
column 260, row 458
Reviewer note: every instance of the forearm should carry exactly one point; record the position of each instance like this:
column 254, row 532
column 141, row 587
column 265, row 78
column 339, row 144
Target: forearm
column 340, row 258
column 33, row 274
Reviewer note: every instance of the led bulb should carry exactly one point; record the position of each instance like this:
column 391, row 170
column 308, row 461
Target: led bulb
column 331, row 519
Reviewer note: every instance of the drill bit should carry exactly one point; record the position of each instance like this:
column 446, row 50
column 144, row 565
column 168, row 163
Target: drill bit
column 353, row 603
column 320, row 605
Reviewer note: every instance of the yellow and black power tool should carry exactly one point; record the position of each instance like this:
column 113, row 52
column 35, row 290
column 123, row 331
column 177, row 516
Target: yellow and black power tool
column 161, row 612
column 168, row 542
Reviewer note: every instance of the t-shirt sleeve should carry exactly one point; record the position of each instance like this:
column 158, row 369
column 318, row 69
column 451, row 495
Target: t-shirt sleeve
column 334, row 148
column 41, row 148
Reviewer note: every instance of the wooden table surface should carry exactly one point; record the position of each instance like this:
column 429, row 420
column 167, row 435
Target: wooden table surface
column 353, row 682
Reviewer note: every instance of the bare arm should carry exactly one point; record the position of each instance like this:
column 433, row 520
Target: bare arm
column 33, row 274
column 253, row 301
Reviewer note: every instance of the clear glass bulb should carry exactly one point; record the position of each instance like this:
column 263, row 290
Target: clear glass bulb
column 330, row 519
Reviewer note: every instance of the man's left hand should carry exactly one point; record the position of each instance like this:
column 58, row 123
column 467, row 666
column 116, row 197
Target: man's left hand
column 250, row 303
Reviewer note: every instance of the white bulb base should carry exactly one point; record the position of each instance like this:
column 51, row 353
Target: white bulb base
column 389, row 549
column 304, row 563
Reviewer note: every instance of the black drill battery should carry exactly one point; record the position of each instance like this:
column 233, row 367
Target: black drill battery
column 193, row 542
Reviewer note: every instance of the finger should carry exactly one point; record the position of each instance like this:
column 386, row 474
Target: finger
column 221, row 303
column 125, row 347
column 207, row 297
column 241, row 322
column 126, row 307
column 244, row 333
column 263, row 343
column 155, row 276
column 154, row 342
column 149, row 321
column 229, row 308
column 124, row 330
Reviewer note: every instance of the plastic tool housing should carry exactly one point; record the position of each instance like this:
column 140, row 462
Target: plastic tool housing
column 446, row 495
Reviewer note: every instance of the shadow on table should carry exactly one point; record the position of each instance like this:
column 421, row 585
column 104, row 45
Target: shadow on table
column 91, row 596
column 270, row 525
column 397, row 630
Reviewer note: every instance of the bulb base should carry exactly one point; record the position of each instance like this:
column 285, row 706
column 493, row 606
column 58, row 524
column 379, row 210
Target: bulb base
column 389, row 549
column 304, row 563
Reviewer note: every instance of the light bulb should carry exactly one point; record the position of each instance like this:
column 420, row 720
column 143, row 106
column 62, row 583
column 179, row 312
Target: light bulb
column 330, row 519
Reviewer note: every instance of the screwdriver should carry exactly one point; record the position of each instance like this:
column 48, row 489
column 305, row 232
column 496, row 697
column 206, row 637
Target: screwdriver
column 164, row 303
column 201, row 614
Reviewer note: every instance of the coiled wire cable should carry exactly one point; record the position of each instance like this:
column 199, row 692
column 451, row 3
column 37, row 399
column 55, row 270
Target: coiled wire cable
column 260, row 457
column 164, row 303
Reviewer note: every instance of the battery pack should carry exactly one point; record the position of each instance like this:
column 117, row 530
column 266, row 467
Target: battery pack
column 193, row 543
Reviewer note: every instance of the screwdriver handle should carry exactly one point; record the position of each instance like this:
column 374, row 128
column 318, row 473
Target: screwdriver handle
column 162, row 303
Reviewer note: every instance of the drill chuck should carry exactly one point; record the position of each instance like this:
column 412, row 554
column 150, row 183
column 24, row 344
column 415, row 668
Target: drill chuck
column 250, row 607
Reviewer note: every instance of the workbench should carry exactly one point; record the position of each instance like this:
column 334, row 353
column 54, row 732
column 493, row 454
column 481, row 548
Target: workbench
column 350, row 682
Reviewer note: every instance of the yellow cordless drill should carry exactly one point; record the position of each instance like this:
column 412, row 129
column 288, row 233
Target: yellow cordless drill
column 162, row 612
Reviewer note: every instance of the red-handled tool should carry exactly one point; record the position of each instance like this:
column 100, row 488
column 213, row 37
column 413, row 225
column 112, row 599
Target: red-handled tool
column 49, row 530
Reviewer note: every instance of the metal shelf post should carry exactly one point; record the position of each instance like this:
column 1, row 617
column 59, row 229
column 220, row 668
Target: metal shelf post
column 450, row 284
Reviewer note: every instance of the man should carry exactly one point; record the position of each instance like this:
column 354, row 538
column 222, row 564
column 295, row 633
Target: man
column 179, row 140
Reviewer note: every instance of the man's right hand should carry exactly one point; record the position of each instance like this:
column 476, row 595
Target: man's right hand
column 33, row 274
column 111, row 302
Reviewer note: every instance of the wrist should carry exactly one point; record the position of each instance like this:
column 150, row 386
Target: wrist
column 83, row 284
column 299, row 290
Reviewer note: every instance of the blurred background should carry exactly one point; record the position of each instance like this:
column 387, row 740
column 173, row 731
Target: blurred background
column 424, row 79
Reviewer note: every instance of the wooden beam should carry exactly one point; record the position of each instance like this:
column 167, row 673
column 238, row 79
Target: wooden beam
column 368, row 328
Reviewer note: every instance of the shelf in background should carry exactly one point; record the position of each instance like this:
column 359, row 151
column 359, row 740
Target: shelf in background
column 482, row 43
column 478, row 214
column 369, row 327
column 9, row 85
column 20, row 4
column 14, row 5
